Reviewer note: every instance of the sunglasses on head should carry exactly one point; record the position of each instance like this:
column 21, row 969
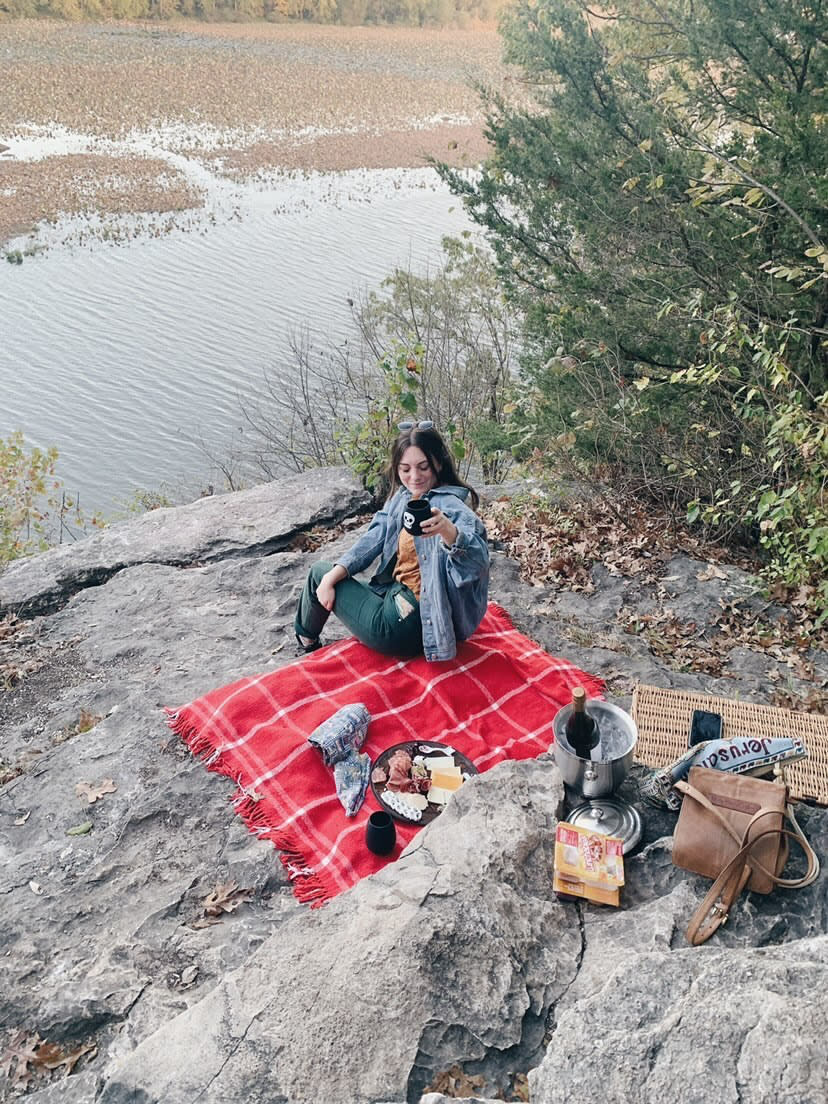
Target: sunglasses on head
column 416, row 425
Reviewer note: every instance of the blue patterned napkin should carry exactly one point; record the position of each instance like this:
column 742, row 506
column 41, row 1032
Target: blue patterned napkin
column 351, row 777
column 342, row 733
column 339, row 739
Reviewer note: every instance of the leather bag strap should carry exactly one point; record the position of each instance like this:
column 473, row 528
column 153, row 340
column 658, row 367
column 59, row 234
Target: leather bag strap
column 812, row 873
column 715, row 908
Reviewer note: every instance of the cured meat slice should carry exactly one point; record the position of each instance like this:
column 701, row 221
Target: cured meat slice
column 399, row 771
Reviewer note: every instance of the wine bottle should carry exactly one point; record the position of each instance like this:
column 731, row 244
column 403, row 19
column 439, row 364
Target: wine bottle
column 581, row 730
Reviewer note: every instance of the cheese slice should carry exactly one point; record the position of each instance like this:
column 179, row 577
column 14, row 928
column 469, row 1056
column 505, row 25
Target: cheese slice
column 439, row 796
column 448, row 771
column 447, row 781
column 439, row 762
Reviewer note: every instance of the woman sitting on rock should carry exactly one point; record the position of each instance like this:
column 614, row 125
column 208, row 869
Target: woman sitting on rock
column 431, row 590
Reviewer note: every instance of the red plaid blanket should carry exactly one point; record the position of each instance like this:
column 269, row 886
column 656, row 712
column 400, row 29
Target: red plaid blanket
column 496, row 700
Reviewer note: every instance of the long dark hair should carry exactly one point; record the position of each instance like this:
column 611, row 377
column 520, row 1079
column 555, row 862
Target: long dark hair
column 439, row 459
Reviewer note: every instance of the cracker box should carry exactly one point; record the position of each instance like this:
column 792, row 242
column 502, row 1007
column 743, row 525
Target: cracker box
column 588, row 865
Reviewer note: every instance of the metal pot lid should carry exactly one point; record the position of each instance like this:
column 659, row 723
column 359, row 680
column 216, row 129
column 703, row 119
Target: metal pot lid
column 609, row 816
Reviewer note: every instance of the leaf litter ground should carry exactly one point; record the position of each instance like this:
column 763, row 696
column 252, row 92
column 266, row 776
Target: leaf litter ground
column 559, row 547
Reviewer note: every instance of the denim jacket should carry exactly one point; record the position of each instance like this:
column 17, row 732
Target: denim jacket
column 454, row 582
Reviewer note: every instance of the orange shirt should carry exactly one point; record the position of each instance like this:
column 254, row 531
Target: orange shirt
column 407, row 570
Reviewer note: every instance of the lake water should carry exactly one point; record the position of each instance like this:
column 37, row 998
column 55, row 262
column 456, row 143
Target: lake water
column 126, row 356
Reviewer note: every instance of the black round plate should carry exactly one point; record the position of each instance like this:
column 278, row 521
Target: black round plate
column 413, row 747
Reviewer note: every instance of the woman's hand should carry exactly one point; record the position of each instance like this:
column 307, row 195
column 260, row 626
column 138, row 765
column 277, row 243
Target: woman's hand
column 326, row 591
column 438, row 525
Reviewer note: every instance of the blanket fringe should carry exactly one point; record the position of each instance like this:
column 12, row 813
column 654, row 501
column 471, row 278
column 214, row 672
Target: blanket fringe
column 308, row 887
column 182, row 726
column 493, row 607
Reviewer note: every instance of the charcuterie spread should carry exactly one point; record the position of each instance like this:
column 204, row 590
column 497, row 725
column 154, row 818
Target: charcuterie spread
column 414, row 781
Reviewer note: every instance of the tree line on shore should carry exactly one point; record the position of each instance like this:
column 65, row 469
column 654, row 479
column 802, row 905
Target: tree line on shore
column 349, row 12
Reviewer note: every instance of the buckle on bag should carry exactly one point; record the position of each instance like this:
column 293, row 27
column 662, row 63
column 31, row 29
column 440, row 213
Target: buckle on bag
column 720, row 910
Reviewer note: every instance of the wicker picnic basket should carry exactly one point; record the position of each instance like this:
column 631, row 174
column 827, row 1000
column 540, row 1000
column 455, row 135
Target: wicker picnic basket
column 663, row 718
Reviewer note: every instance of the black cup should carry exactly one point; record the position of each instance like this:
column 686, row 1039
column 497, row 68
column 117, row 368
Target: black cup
column 416, row 512
column 380, row 834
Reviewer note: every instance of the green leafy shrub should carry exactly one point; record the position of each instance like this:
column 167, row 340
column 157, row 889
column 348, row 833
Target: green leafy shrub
column 35, row 510
column 27, row 496
column 782, row 488
column 366, row 442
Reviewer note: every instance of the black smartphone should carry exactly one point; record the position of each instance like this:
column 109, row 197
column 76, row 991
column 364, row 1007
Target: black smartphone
column 705, row 726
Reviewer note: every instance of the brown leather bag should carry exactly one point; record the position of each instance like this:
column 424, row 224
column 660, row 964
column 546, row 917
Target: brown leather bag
column 730, row 829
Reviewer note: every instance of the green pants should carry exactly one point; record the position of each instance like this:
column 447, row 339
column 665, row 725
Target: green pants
column 373, row 618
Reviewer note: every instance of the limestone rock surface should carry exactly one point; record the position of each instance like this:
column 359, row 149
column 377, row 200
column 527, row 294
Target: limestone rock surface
column 715, row 1024
column 456, row 948
column 457, row 954
column 260, row 520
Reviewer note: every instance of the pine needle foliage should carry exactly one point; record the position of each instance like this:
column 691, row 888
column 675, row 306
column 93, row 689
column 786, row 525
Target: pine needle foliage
column 656, row 199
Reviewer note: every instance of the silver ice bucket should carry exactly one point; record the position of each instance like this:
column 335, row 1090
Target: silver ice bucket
column 597, row 778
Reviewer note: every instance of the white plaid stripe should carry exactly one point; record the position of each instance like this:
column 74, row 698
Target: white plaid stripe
column 283, row 712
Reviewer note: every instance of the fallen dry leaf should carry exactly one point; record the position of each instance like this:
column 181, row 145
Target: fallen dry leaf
column 803, row 597
column 520, row 1087
column 558, row 546
column 45, row 1054
column 56, row 1057
column 95, row 791
column 455, row 1082
column 16, row 1058
column 26, row 1056
column 188, row 977
column 225, row 898
column 204, row 922
column 13, row 673
column 712, row 572
column 9, row 625
column 87, row 720
column 7, row 773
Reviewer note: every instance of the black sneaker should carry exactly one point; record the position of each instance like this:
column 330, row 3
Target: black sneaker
column 306, row 649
